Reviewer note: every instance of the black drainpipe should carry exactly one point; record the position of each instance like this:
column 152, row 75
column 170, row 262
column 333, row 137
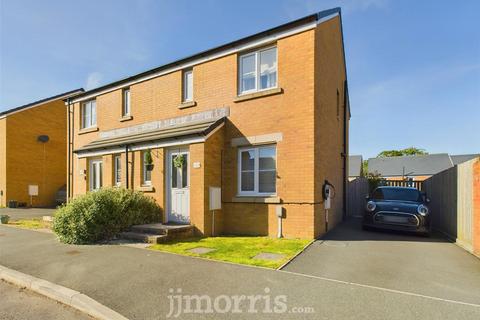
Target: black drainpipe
column 69, row 157
column 345, row 151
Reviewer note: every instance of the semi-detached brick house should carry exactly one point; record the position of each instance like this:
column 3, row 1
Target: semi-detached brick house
column 32, row 151
column 265, row 118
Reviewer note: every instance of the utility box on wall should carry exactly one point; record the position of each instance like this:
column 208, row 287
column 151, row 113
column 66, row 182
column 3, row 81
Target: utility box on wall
column 215, row 198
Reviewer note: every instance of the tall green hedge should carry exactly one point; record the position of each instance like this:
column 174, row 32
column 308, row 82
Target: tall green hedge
column 102, row 214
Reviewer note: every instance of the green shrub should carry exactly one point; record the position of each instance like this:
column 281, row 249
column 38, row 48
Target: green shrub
column 102, row 214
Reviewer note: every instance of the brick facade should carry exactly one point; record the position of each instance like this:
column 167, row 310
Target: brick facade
column 310, row 71
column 25, row 161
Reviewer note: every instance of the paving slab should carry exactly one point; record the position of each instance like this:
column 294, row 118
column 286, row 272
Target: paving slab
column 201, row 250
column 269, row 256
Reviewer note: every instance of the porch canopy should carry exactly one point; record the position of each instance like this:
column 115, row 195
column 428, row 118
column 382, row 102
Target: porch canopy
column 194, row 128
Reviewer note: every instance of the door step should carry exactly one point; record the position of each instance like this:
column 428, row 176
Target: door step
column 158, row 232
column 143, row 237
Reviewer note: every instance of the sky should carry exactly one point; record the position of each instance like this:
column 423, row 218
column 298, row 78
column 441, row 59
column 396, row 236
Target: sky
column 413, row 66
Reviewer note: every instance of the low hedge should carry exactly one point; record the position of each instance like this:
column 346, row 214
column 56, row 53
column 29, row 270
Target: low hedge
column 102, row 214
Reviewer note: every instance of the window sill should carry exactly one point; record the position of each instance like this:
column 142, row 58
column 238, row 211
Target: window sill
column 187, row 104
column 125, row 118
column 258, row 94
column 146, row 188
column 256, row 199
column 88, row 130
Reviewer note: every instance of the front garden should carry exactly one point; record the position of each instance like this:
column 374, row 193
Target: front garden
column 256, row 251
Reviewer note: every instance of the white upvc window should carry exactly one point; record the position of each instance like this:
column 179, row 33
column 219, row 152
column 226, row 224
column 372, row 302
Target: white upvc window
column 89, row 114
column 147, row 174
column 96, row 174
column 126, row 103
column 187, row 95
column 258, row 70
column 257, row 170
column 118, row 170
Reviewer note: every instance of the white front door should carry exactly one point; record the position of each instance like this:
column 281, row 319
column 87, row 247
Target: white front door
column 178, row 182
column 96, row 174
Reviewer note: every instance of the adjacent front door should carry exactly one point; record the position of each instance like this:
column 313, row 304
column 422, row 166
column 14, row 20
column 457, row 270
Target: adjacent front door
column 96, row 174
column 178, row 182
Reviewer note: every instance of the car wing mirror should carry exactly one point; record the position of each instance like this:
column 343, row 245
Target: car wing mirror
column 427, row 200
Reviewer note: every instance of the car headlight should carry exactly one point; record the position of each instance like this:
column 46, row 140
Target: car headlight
column 423, row 210
column 370, row 206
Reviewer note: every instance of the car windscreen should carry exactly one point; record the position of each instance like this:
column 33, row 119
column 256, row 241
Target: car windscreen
column 397, row 194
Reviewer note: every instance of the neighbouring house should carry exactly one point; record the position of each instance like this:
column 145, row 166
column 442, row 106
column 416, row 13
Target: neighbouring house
column 33, row 153
column 417, row 167
column 355, row 167
column 264, row 118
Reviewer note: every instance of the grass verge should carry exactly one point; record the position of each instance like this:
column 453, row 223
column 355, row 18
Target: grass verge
column 237, row 249
column 31, row 224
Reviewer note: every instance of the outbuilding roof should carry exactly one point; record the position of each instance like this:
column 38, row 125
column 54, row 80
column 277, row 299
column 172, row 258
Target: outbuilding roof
column 418, row 165
column 460, row 158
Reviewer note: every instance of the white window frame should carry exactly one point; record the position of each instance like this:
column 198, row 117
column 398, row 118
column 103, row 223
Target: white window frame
column 93, row 163
column 256, row 170
column 145, row 182
column 185, row 97
column 93, row 116
column 126, row 98
column 117, row 174
column 257, row 70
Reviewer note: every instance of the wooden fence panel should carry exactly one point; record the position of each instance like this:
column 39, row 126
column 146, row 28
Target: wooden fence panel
column 452, row 203
column 357, row 190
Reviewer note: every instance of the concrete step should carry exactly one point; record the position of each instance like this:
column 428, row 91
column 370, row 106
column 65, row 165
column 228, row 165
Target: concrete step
column 159, row 228
column 143, row 237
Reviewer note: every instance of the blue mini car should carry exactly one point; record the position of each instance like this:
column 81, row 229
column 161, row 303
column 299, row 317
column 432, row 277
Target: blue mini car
column 397, row 208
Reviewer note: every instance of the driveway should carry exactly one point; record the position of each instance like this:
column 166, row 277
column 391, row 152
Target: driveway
column 426, row 266
column 26, row 213
column 15, row 301
column 138, row 282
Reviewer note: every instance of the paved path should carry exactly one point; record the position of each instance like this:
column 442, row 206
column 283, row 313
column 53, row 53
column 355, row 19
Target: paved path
column 429, row 266
column 17, row 303
column 136, row 282
column 26, row 213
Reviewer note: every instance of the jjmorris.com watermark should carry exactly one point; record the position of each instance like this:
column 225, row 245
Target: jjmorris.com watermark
column 204, row 304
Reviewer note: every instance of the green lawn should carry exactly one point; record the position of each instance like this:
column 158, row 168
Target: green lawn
column 30, row 224
column 237, row 249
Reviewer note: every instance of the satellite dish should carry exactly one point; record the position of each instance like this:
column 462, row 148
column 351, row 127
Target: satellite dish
column 43, row 138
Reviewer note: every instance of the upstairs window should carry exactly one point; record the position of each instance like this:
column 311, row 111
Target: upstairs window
column 258, row 70
column 187, row 85
column 126, row 103
column 89, row 114
column 257, row 170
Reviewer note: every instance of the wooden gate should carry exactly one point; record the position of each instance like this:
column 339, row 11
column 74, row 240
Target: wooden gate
column 356, row 193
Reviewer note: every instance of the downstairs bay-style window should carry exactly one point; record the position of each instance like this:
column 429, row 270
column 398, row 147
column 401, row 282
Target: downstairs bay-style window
column 89, row 114
column 258, row 70
column 257, row 171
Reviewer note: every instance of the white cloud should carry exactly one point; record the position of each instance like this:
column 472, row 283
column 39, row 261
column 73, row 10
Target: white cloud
column 93, row 80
